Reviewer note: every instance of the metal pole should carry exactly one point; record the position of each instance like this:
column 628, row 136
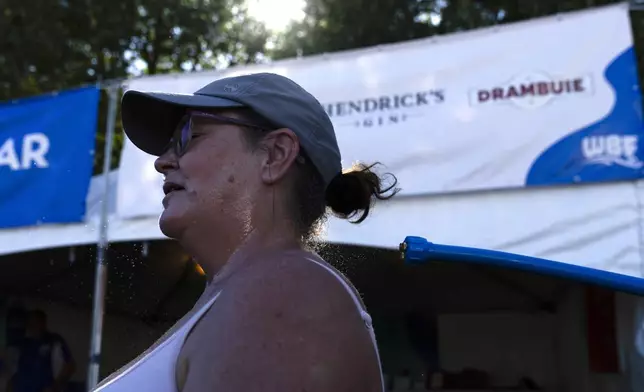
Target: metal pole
column 100, row 281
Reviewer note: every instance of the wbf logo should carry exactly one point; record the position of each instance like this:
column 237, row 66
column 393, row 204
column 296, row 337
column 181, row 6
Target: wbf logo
column 611, row 150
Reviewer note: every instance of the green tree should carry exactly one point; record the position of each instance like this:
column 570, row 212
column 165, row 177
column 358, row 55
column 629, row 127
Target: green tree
column 50, row 45
column 333, row 25
column 199, row 34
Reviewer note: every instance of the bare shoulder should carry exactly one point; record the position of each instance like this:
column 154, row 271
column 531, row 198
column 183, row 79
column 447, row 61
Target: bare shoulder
column 283, row 324
column 301, row 273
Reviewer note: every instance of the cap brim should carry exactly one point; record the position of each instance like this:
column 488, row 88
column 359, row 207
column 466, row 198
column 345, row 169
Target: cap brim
column 149, row 119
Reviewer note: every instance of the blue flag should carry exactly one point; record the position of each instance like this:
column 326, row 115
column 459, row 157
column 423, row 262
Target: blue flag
column 46, row 157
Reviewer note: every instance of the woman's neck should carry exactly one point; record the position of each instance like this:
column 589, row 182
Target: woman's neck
column 219, row 262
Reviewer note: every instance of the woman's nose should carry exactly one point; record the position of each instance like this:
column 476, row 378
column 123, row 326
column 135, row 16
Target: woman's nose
column 166, row 162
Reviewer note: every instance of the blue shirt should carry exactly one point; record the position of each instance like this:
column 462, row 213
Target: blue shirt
column 35, row 365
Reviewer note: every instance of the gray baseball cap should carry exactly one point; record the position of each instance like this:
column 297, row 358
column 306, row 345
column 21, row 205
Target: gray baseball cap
column 150, row 118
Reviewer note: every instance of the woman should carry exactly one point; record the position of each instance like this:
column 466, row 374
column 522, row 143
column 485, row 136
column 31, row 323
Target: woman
column 251, row 163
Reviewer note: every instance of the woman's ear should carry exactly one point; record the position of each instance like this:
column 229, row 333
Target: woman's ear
column 282, row 147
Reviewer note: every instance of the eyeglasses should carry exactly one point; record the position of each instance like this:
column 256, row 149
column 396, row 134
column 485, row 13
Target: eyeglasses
column 184, row 132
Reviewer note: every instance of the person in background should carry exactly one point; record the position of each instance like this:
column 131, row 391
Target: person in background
column 45, row 363
column 16, row 323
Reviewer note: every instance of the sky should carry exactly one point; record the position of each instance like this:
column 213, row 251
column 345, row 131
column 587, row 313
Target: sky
column 276, row 14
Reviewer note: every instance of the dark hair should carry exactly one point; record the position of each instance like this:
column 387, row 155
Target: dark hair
column 350, row 195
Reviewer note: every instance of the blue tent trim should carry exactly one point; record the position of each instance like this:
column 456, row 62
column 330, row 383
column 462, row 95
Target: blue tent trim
column 417, row 250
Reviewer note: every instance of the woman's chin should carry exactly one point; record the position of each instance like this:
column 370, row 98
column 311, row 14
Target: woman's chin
column 171, row 226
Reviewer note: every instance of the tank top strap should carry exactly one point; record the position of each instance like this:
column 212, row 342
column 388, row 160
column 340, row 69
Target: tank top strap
column 350, row 289
column 359, row 305
column 203, row 309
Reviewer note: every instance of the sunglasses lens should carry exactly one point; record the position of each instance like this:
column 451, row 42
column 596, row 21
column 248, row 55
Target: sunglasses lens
column 186, row 133
column 181, row 137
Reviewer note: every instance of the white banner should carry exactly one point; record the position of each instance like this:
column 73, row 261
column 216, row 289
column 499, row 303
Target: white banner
column 549, row 101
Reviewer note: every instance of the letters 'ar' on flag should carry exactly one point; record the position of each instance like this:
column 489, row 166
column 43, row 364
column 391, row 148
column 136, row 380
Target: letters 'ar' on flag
column 46, row 157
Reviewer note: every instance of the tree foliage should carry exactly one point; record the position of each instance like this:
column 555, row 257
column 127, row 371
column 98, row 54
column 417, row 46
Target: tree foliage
column 334, row 25
column 48, row 45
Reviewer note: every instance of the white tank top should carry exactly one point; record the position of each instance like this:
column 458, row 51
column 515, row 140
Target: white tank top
column 155, row 371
